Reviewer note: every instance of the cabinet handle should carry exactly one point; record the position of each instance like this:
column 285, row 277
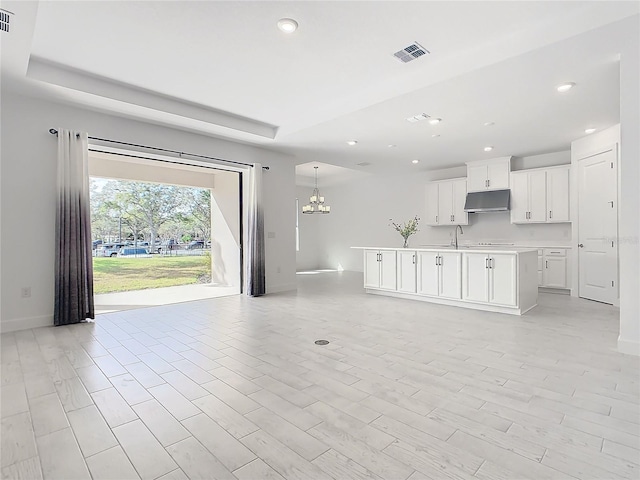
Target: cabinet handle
column 440, row 261
column 546, row 264
column 436, row 218
column 413, row 259
column 453, row 218
column 550, row 214
column 489, row 183
column 486, row 262
column 436, row 259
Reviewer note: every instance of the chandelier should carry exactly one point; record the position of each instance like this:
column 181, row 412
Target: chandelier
column 316, row 202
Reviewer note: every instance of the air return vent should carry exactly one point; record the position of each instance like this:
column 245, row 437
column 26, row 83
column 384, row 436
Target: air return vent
column 413, row 51
column 5, row 17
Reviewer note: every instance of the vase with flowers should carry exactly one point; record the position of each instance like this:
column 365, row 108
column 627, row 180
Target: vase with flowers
column 406, row 229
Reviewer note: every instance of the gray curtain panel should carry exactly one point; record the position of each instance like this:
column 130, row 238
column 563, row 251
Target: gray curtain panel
column 256, row 284
column 74, row 262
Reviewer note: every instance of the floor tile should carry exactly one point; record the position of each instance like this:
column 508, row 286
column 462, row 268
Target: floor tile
column 91, row 430
column 161, row 423
column 196, row 461
column 47, row 414
column 113, row 407
column 60, row 456
column 111, row 464
column 17, row 439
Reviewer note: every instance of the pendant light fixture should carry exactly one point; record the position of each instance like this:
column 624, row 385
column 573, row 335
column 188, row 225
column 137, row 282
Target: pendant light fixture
column 316, row 201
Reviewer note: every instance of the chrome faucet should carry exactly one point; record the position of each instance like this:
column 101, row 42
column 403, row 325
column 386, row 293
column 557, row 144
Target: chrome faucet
column 456, row 235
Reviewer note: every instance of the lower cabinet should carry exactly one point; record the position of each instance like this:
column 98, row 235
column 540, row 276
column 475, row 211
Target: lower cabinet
column 490, row 278
column 406, row 271
column 439, row 274
column 553, row 268
column 380, row 269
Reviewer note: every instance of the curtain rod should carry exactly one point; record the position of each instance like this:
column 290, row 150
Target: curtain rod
column 53, row 131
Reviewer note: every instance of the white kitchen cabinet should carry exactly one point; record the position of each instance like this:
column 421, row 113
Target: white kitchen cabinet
column 445, row 202
column 491, row 174
column 529, row 196
column 490, row 278
column 380, row 269
column 406, row 271
column 432, row 204
column 554, row 268
column 558, row 194
column 439, row 274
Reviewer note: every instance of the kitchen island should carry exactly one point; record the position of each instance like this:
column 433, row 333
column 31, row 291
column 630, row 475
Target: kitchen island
column 503, row 280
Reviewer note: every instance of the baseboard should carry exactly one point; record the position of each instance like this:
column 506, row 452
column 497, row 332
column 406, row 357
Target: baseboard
column 629, row 347
column 285, row 287
column 16, row 324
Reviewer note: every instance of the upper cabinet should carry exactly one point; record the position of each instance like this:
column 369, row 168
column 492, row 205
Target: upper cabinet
column 491, row 174
column 445, row 202
column 540, row 195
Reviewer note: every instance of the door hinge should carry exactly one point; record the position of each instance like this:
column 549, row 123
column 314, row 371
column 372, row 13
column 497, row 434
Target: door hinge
column 612, row 283
column 611, row 164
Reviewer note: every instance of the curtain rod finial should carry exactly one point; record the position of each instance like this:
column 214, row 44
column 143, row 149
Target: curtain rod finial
column 53, row 131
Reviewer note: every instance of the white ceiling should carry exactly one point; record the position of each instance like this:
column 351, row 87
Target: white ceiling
column 224, row 69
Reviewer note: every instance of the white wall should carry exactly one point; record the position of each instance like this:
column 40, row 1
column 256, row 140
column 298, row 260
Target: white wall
column 361, row 209
column 308, row 257
column 629, row 229
column 28, row 196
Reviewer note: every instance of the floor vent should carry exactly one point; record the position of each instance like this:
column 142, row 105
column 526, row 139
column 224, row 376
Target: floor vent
column 413, row 51
column 322, row 342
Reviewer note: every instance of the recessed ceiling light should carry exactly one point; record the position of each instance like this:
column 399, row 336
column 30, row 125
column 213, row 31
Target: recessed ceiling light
column 589, row 130
column 435, row 135
column 391, row 145
column 352, row 142
column 287, row 25
column 488, row 149
column 565, row 87
column 415, row 161
column 489, row 124
column 435, row 121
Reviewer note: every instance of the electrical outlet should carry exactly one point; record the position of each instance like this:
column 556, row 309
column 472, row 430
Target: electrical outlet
column 25, row 292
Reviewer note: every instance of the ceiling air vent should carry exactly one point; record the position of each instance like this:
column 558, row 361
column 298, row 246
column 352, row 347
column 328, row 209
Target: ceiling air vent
column 413, row 51
column 5, row 16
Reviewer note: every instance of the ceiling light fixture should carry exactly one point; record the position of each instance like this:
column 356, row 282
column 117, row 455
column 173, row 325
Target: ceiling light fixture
column 418, row 118
column 488, row 149
column 435, row 121
column 415, row 161
column 351, row 142
column 489, row 124
column 435, row 135
column 316, row 201
column 589, row 130
column 565, row 87
column 391, row 145
column 287, row 25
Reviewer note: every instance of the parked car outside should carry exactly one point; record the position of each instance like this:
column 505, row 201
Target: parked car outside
column 110, row 249
column 130, row 251
column 168, row 245
column 96, row 244
column 195, row 244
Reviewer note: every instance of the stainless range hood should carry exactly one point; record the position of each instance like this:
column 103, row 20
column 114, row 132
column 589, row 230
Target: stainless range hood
column 492, row 201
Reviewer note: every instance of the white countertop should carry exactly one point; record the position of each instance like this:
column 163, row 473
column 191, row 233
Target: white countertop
column 462, row 249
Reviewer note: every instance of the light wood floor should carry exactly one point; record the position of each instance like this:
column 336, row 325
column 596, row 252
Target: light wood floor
column 236, row 388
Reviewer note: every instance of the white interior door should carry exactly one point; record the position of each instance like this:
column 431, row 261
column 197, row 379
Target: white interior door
column 598, row 227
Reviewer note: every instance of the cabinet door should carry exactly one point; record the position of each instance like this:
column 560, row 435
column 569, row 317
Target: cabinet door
column 475, row 275
column 406, row 274
column 519, row 198
column 371, row 269
column 538, row 196
column 432, row 204
column 388, row 269
column 459, row 188
column 498, row 176
column 476, row 178
column 450, row 275
column 428, row 273
column 554, row 273
column 558, row 195
column 445, row 203
column 503, row 278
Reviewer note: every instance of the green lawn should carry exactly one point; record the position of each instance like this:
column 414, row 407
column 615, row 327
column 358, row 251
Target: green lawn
column 116, row 274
